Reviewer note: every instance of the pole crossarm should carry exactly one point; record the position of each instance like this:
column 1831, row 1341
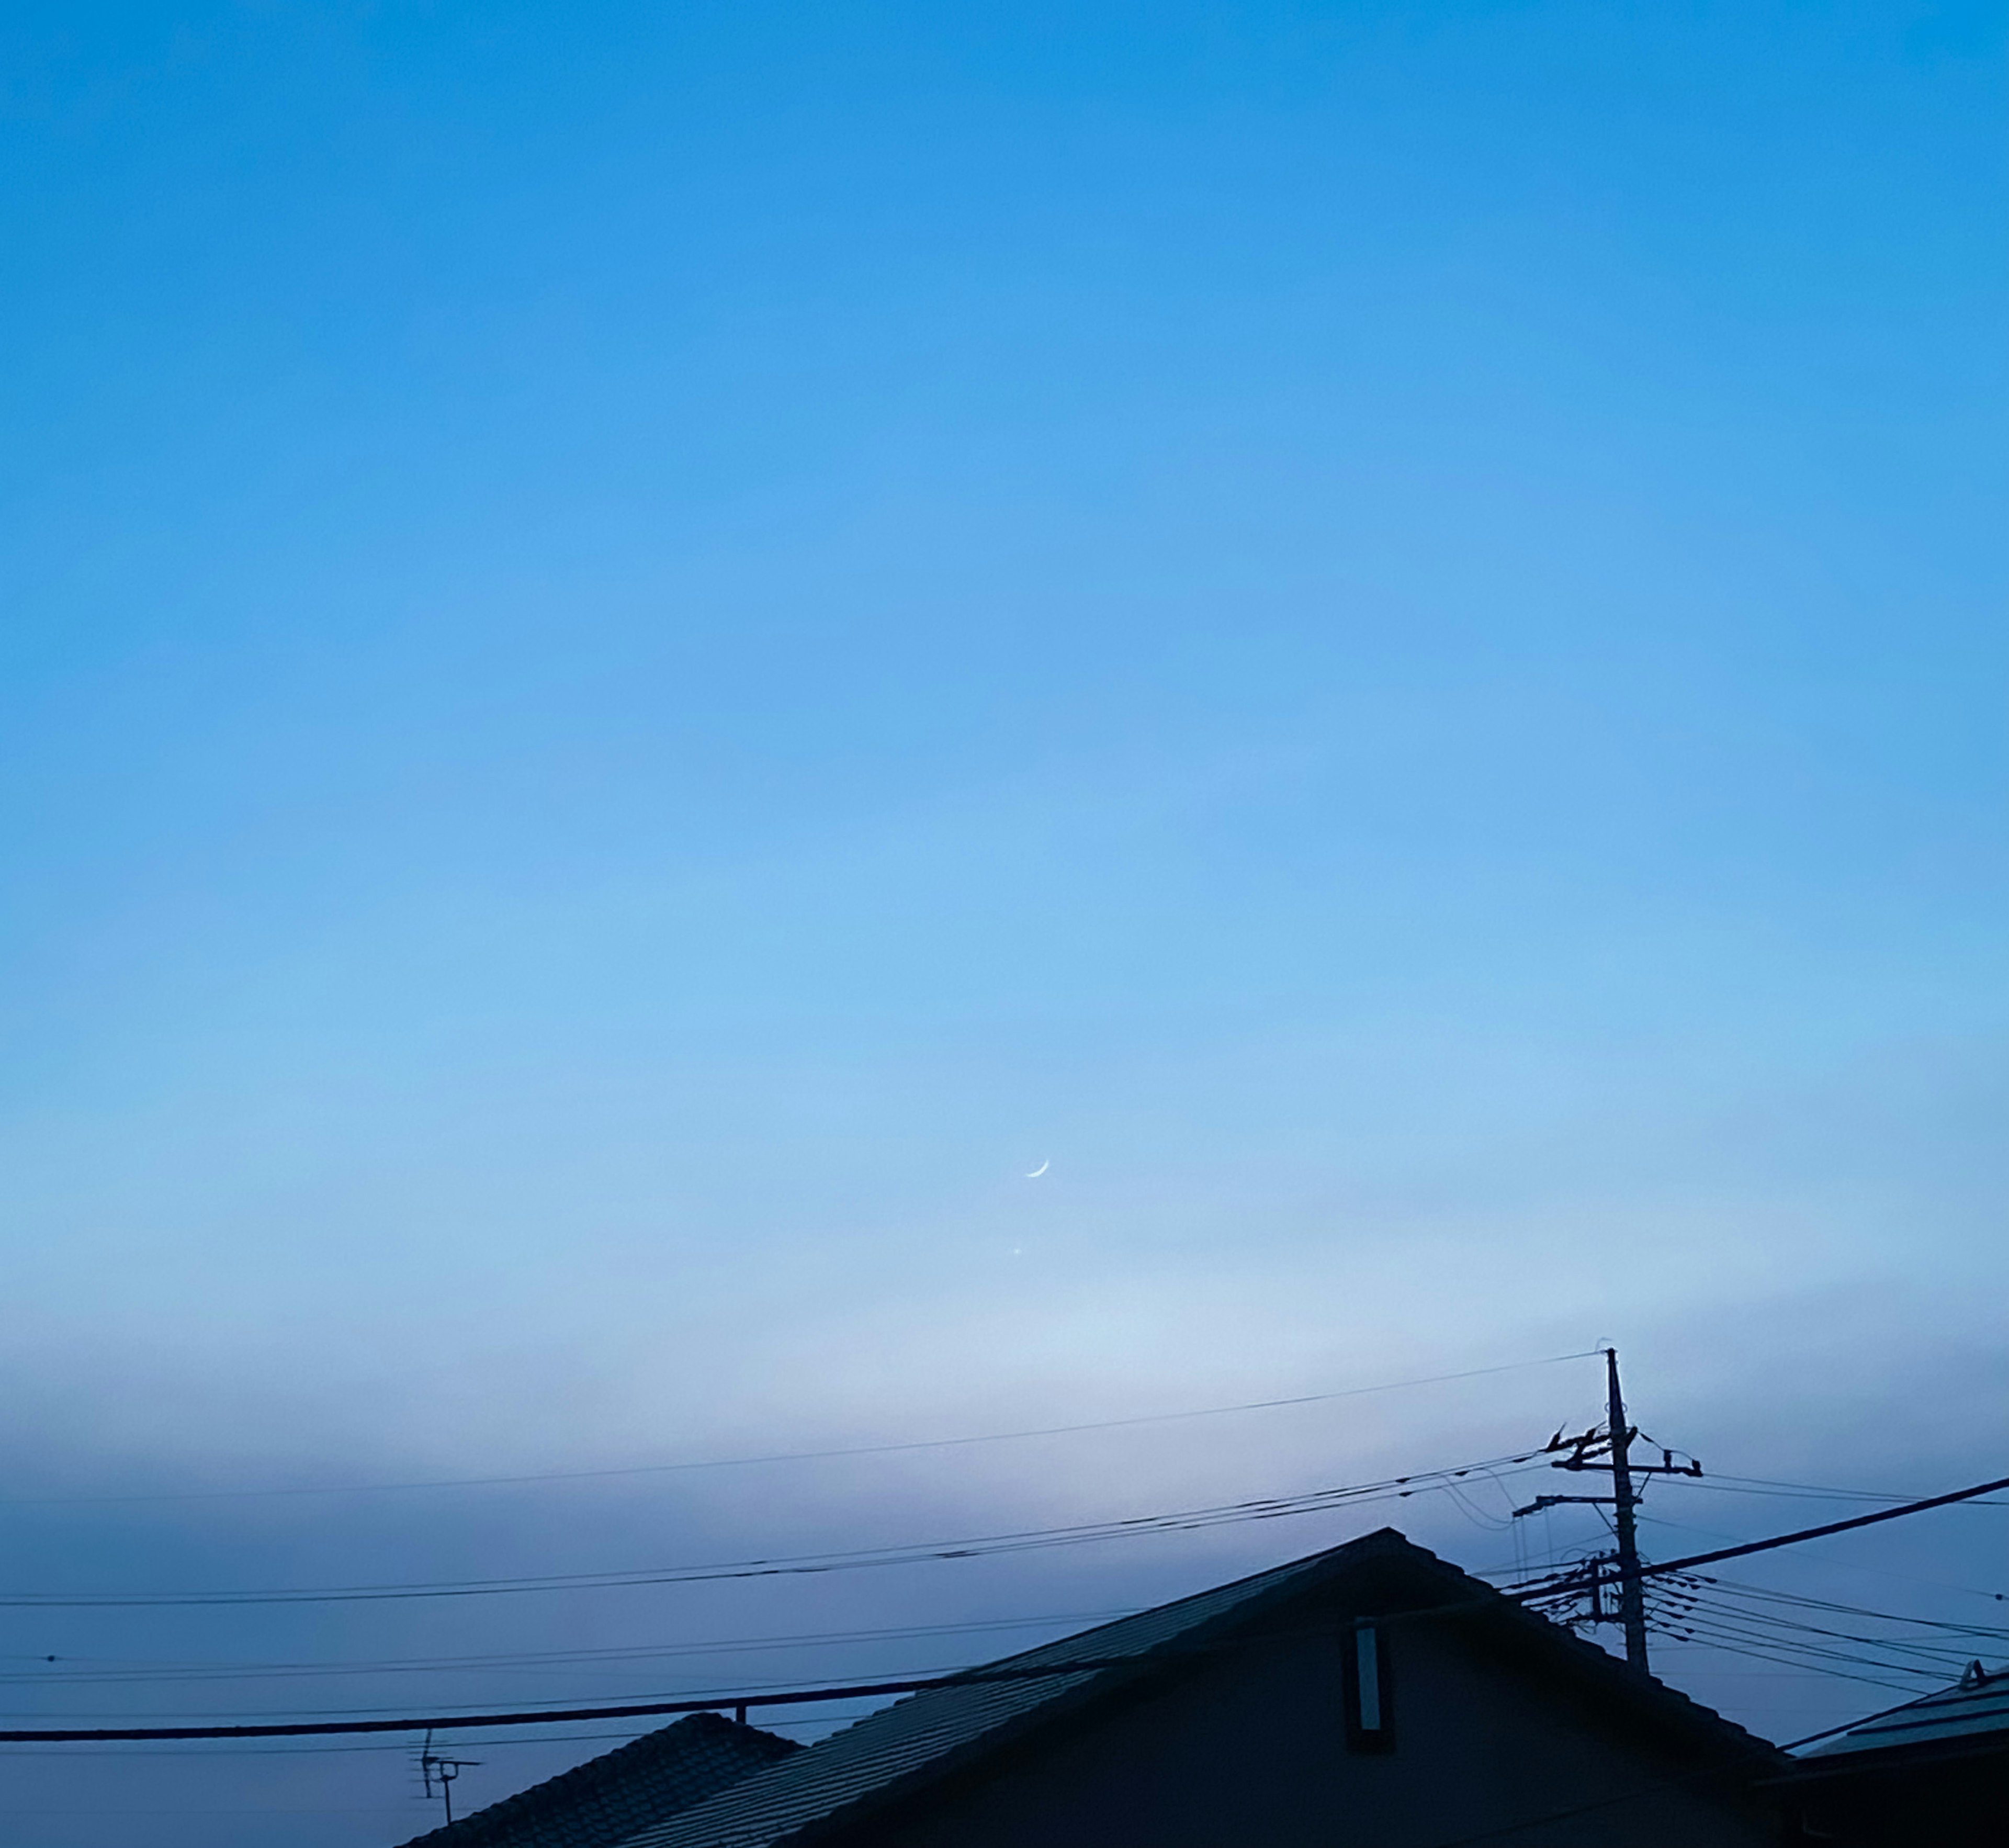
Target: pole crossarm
column 1541, row 1501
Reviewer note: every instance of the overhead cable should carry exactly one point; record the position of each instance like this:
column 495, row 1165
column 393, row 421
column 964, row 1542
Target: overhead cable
column 1268, row 1508
column 784, row 1456
column 870, row 1690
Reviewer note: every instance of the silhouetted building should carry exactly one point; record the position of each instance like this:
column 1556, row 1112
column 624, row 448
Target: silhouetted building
column 1372, row 1694
column 1933, row 1772
column 606, row 1800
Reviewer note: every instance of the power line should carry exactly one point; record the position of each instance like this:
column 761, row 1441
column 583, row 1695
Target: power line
column 118, row 1671
column 1750, row 1621
column 1761, row 1485
column 1786, row 1661
column 1787, row 1539
column 1840, row 1565
column 1703, row 1627
column 494, row 1742
column 1990, row 1631
column 1940, row 1651
column 695, row 1689
column 783, row 1456
column 1272, row 1508
column 548, row 1716
column 881, row 1690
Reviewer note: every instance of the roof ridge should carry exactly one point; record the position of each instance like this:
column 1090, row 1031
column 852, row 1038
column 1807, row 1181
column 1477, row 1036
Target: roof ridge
column 1250, row 1584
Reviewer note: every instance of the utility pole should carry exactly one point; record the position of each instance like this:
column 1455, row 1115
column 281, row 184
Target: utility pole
column 1611, row 1450
column 1631, row 1593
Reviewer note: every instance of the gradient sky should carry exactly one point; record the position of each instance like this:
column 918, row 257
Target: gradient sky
column 647, row 650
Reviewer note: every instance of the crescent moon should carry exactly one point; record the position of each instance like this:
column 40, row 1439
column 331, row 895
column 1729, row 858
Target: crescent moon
column 1041, row 1170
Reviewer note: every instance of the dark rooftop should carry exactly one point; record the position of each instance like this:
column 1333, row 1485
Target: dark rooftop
column 903, row 1745
column 606, row 1800
column 1975, row 1706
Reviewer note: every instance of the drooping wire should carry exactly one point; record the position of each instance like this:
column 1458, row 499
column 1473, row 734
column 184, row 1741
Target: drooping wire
column 787, row 1456
column 134, row 1673
column 1184, row 1520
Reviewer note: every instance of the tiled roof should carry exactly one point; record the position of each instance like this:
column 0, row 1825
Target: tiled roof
column 903, row 1745
column 604, row 1800
column 1974, row 1706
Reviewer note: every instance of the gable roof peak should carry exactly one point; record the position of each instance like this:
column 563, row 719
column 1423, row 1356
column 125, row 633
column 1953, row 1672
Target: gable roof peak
column 899, row 1749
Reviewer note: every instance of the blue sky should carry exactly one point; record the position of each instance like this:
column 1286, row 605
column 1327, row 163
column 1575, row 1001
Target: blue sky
column 648, row 650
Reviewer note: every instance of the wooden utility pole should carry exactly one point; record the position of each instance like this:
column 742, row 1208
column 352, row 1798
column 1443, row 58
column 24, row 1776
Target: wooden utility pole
column 1631, row 1592
column 1608, row 1450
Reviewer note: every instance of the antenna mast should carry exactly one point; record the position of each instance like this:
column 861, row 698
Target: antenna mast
column 441, row 1771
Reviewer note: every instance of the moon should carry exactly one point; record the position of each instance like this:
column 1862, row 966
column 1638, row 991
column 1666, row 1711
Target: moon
column 1041, row 1170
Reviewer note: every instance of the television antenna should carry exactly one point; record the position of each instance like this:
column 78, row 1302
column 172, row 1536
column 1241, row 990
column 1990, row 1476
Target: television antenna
column 436, row 1768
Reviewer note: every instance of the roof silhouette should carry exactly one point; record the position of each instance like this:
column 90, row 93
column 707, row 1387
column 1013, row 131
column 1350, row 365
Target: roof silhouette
column 900, row 1749
column 606, row 1800
column 1975, row 1707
